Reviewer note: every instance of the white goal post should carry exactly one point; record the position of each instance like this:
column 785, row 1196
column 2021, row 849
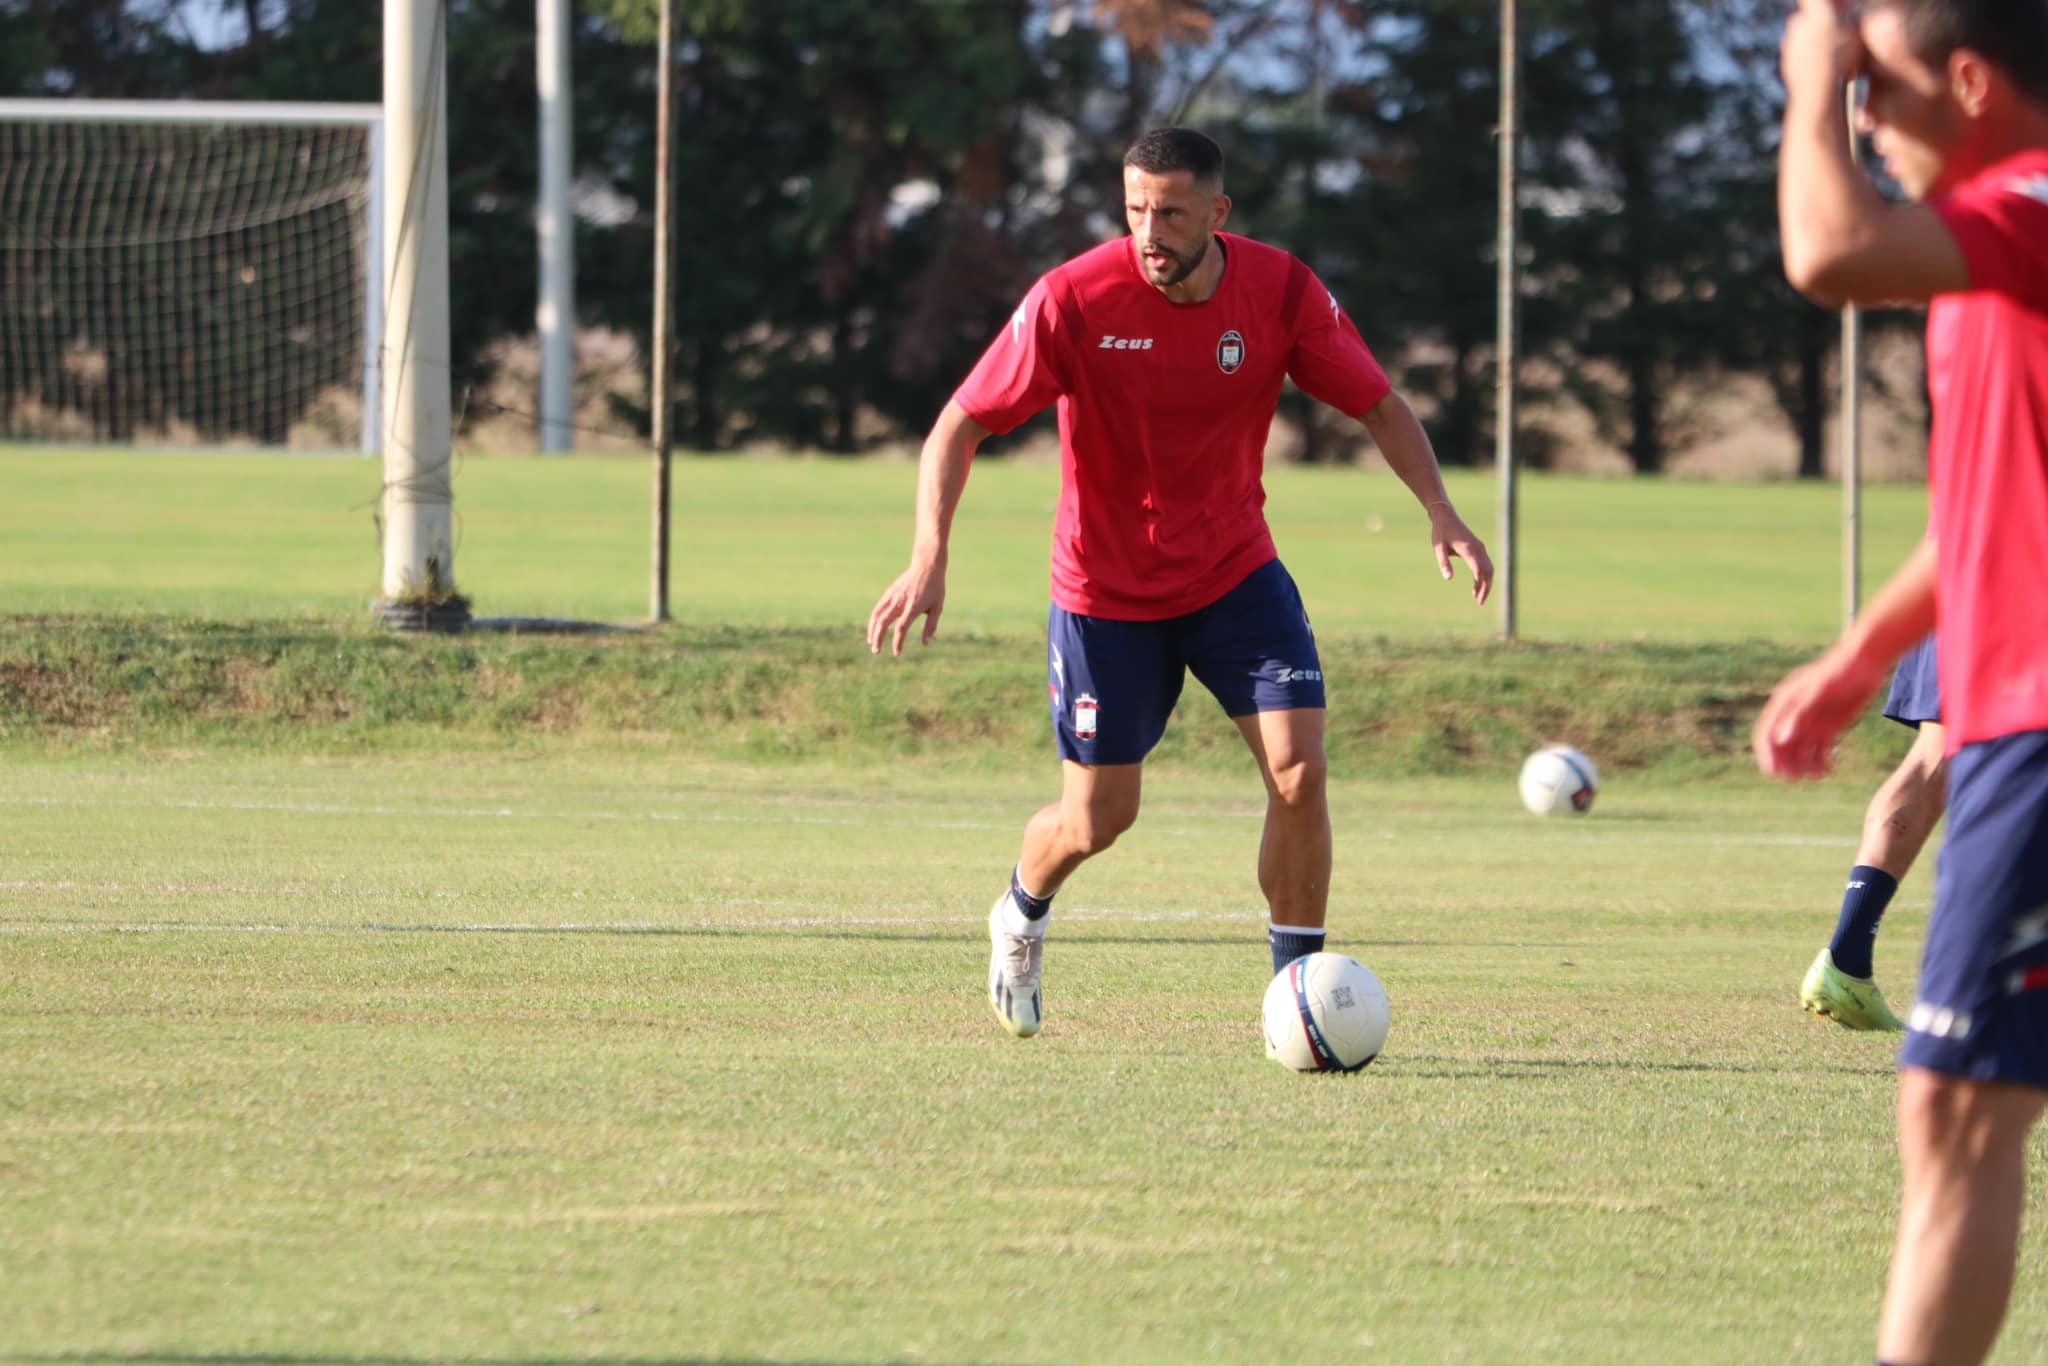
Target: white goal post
column 191, row 273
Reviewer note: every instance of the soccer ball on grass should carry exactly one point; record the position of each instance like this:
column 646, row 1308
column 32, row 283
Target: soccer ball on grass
column 1325, row 1013
column 1557, row 779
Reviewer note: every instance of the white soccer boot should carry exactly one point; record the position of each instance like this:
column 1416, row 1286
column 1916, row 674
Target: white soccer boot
column 1014, row 963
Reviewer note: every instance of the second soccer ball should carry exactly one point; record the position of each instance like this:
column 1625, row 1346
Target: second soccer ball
column 1557, row 779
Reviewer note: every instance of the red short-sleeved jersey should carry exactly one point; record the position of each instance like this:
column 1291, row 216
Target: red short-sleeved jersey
column 1164, row 412
column 1987, row 457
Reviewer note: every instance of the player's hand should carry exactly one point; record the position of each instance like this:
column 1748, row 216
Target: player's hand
column 1822, row 50
column 1450, row 538
column 919, row 591
column 1796, row 731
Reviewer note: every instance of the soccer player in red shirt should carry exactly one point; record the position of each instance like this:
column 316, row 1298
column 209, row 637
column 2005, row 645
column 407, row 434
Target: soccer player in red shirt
column 1166, row 351
column 1957, row 106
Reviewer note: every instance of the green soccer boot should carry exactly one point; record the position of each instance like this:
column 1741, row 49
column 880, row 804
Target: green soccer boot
column 1851, row 1002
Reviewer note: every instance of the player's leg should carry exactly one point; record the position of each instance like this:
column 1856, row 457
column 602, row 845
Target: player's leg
column 1975, row 1061
column 1112, row 685
column 1294, row 847
column 1097, row 803
column 1962, row 1154
column 1907, row 807
column 1254, row 650
column 1896, row 825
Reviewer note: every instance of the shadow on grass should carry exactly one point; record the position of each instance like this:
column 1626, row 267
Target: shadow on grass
column 1627, row 816
column 971, row 932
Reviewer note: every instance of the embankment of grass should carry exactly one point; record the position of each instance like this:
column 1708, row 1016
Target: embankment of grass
column 813, row 695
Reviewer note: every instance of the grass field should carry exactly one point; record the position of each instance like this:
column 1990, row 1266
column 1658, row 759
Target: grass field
column 588, row 1059
column 812, row 542
column 516, row 1001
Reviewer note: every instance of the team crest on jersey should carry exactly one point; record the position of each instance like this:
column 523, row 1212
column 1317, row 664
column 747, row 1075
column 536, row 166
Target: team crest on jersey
column 2033, row 187
column 1230, row 352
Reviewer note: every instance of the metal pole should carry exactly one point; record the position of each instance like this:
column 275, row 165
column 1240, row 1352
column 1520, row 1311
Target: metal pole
column 555, row 314
column 419, row 543
column 1508, row 315
column 1852, row 429
column 372, row 439
column 1852, row 464
column 658, row 388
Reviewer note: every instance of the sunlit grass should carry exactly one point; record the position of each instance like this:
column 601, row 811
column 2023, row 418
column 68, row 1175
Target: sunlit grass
column 573, row 1056
column 776, row 542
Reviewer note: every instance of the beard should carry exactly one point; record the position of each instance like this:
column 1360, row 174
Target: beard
column 1179, row 267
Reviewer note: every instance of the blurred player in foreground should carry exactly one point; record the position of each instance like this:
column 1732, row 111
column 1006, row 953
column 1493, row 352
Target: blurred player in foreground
column 1165, row 351
column 1957, row 106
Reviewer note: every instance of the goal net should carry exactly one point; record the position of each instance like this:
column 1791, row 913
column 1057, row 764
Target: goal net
column 189, row 274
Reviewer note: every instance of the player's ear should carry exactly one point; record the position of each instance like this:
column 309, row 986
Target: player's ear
column 1970, row 81
column 1219, row 213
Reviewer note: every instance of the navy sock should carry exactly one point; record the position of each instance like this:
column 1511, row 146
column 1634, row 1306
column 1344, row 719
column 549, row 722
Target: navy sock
column 1033, row 907
column 1870, row 891
column 1289, row 943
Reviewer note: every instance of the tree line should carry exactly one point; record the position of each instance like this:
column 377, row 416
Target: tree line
column 863, row 191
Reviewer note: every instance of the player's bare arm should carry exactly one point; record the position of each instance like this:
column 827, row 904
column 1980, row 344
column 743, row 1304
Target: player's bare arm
column 1405, row 445
column 920, row 590
column 1796, row 732
column 1843, row 243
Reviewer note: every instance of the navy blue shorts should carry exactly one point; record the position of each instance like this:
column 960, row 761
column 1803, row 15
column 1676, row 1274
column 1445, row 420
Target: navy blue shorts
column 1981, row 1011
column 1916, row 688
column 1114, row 683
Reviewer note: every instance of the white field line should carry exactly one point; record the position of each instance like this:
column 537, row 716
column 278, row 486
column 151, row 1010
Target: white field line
column 969, row 924
column 1531, row 832
column 388, row 894
column 498, row 812
column 299, row 889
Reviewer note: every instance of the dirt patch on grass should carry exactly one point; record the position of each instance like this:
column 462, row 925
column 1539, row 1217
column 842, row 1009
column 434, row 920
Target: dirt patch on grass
column 50, row 695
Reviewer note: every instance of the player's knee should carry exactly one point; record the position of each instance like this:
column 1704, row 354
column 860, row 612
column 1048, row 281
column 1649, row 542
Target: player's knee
column 1926, row 1111
column 1094, row 827
column 1950, row 1125
column 1926, row 763
column 1090, row 836
column 1924, row 775
column 1932, row 1150
column 1301, row 780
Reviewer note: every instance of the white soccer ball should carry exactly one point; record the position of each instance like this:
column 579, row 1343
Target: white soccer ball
column 1559, row 778
column 1325, row 1013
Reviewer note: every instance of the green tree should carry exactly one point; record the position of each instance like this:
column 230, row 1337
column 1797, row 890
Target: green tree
column 1758, row 324
column 839, row 211
column 1630, row 252
column 863, row 191
column 107, row 49
column 1382, row 173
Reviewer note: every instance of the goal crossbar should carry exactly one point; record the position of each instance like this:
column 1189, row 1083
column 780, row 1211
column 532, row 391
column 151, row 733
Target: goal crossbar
column 193, row 111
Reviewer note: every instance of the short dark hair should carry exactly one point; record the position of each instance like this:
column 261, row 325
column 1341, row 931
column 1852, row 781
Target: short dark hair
column 1165, row 150
column 2010, row 34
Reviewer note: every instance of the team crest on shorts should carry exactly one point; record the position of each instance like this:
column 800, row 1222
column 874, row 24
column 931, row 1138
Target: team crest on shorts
column 1084, row 716
column 1230, row 352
